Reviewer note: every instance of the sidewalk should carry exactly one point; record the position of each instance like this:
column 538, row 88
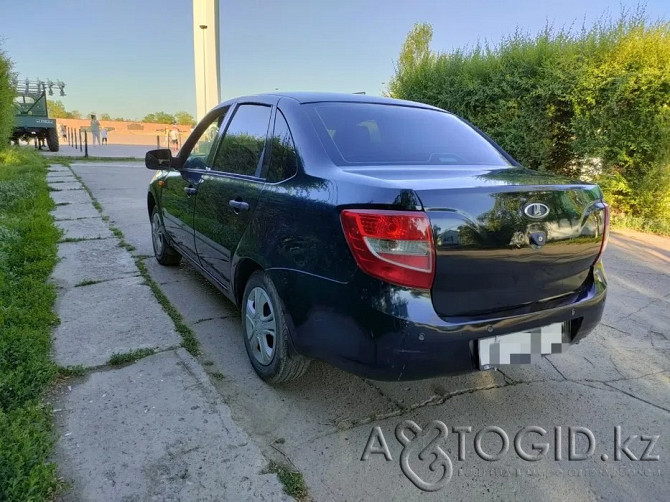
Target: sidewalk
column 155, row 429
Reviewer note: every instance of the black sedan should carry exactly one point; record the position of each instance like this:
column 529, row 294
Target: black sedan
column 389, row 238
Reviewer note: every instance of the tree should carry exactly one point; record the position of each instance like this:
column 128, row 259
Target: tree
column 416, row 49
column 57, row 110
column 160, row 118
column 415, row 56
column 184, row 118
column 105, row 116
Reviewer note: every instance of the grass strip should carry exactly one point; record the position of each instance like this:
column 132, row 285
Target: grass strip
column 130, row 357
column 294, row 483
column 28, row 249
column 189, row 341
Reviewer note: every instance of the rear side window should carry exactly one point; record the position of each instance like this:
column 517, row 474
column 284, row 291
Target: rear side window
column 366, row 133
column 243, row 143
column 283, row 159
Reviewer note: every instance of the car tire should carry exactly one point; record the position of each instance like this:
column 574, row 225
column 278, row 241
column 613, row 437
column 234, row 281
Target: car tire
column 266, row 334
column 165, row 254
column 52, row 139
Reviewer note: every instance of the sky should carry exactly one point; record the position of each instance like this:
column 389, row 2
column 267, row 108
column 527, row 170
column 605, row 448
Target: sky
column 133, row 57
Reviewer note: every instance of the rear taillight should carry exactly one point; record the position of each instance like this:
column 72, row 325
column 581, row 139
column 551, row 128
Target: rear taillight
column 395, row 246
column 606, row 231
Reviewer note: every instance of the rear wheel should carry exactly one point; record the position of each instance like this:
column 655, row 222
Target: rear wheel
column 52, row 140
column 165, row 254
column 266, row 334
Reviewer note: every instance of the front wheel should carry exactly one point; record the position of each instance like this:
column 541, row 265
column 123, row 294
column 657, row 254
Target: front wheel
column 266, row 334
column 165, row 254
column 52, row 140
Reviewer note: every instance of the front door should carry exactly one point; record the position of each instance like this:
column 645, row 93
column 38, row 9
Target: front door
column 229, row 192
column 178, row 206
column 180, row 190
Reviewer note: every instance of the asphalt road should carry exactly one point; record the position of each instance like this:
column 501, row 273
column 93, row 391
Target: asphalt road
column 324, row 423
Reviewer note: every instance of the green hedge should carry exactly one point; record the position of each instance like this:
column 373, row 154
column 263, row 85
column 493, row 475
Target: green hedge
column 6, row 100
column 592, row 104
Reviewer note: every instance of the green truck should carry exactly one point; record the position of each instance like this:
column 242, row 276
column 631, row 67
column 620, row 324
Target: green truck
column 32, row 120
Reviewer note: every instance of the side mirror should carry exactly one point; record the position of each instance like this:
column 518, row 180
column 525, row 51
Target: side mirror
column 158, row 159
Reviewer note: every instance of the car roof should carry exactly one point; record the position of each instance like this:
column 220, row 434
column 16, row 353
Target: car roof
column 336, row 97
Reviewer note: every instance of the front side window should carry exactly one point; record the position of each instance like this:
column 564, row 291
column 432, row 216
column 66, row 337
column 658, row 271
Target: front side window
column 366, row 133
column 243, row 143
column 197, row 159
column 283, row 159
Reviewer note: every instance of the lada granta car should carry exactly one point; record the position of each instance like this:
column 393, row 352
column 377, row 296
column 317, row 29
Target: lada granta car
column 389, row 238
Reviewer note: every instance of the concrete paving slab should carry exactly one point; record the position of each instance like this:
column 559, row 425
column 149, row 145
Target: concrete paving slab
column 75, row 212
column 92, row 260
column 71, row 197
column 197, row 303
column 111, row 317
column 87, row 228
column 55, row 182
column 60, row 175
column 162, row 274
column 58, row 168
column 157, row 430
column 124, row 202
column 59, row 186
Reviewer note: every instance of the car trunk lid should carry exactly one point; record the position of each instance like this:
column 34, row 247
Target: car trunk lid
column 502, row 246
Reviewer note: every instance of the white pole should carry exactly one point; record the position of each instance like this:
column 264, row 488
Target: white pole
column 206, row 55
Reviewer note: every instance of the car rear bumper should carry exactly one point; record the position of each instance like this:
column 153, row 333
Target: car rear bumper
column 393, row 333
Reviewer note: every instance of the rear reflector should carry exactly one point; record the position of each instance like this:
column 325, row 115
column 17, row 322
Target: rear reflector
column 395, row 246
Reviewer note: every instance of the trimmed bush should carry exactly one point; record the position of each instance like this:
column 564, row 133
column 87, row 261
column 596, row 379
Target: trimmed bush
column 591, row 104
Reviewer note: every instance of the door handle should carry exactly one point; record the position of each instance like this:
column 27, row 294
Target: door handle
column 190, row 191
column 238, row 205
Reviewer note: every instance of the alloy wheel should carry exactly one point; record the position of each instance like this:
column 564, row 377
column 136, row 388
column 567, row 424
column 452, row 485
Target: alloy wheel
column 261, row 326
column 157, row 234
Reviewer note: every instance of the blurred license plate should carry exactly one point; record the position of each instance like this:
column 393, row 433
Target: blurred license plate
column 522, row 348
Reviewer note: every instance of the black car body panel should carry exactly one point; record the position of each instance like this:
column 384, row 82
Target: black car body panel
column 497, row 269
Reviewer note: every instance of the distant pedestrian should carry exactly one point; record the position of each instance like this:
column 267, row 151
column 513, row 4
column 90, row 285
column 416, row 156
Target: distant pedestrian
column 63, row 132
column 174, row 139
column 95, row 130
column 103, row 135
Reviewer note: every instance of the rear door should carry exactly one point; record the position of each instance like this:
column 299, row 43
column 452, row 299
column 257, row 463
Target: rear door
column 229, row 192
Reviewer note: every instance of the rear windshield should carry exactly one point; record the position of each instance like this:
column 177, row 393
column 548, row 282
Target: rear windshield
column 366, row 133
